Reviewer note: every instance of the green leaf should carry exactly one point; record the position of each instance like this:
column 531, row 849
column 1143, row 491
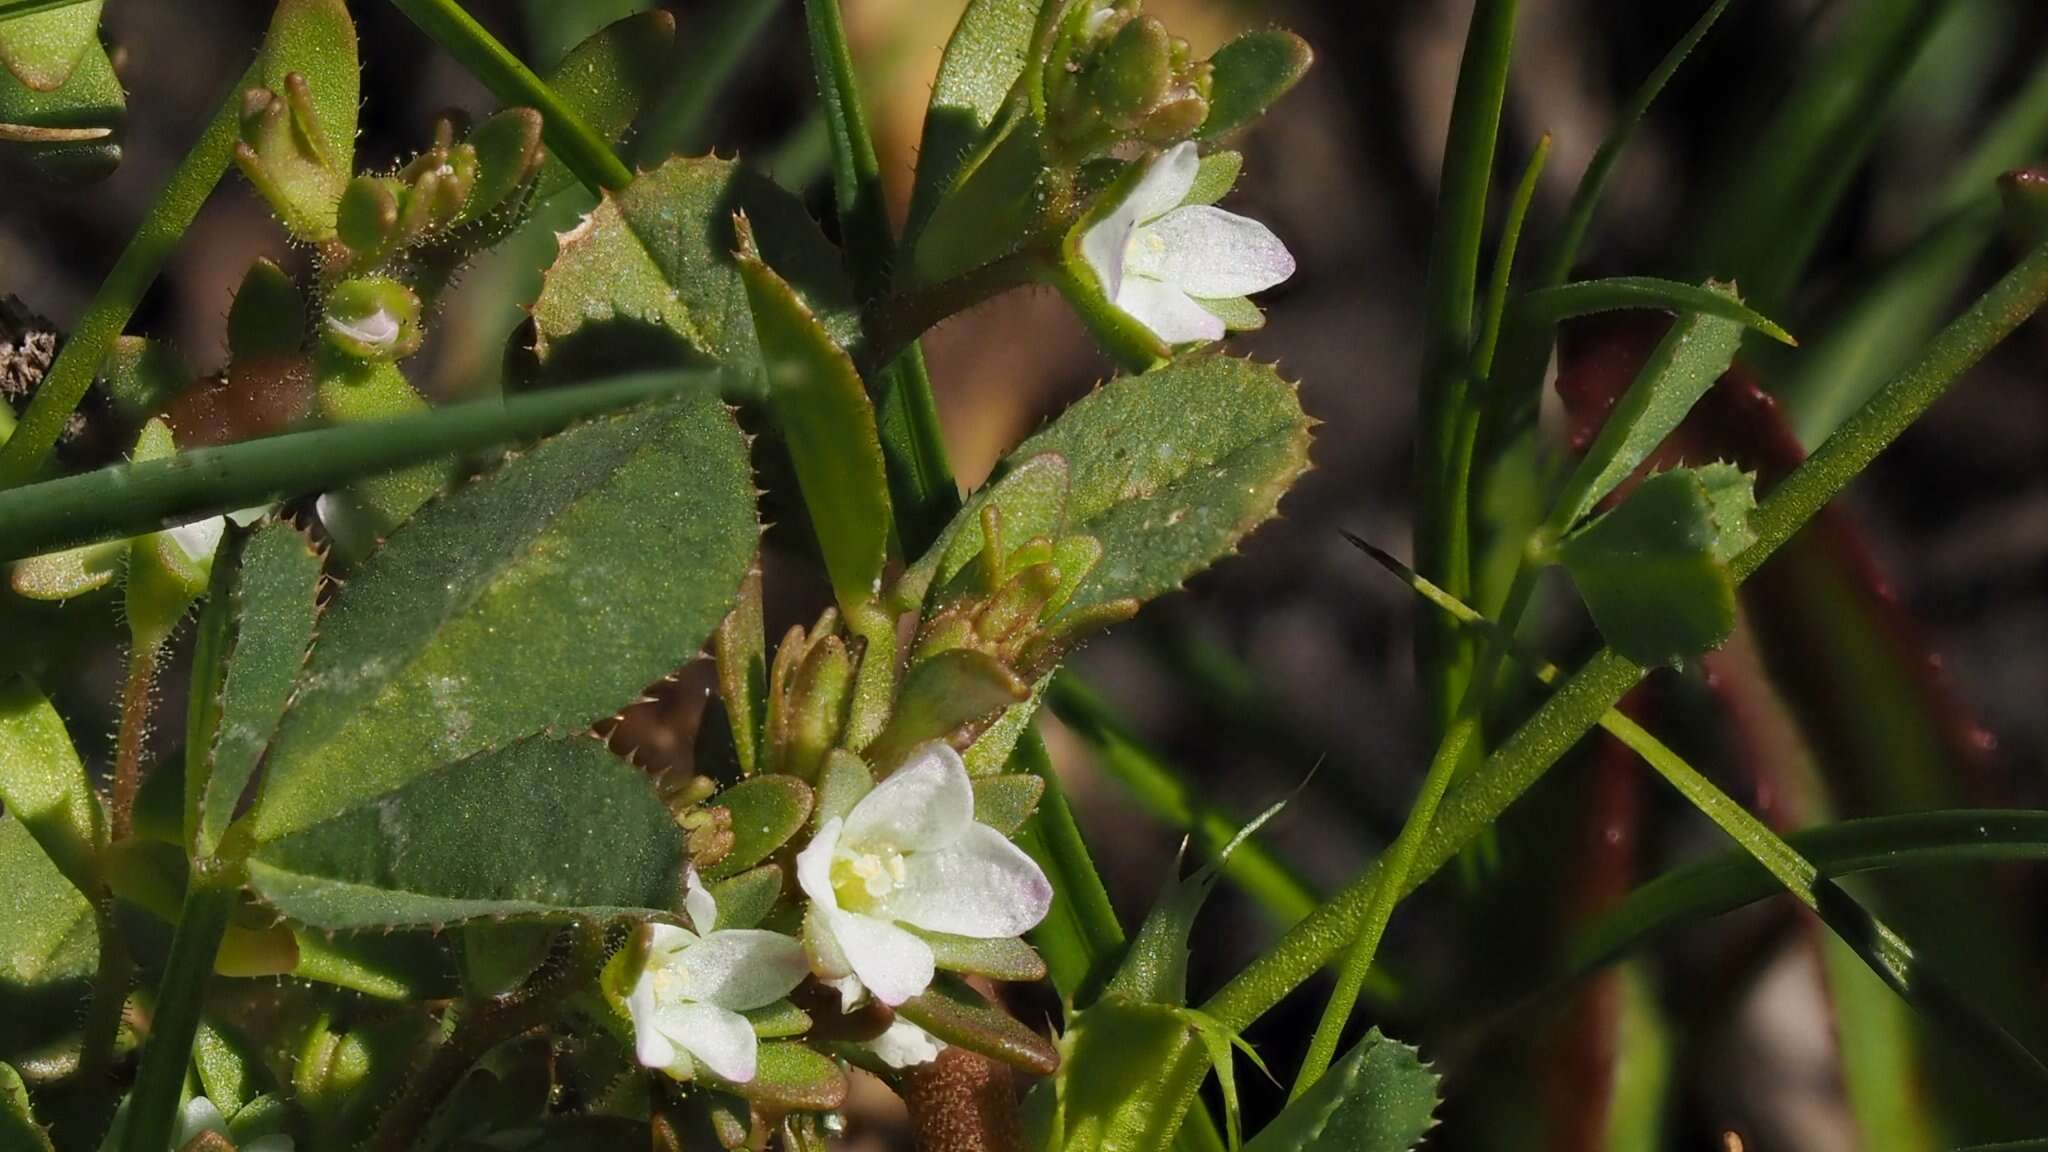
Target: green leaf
column 740, row 648
column 256, row 629
column 791, row 1076
column 545, row 828
column 317, row 40
column 606, row 79
column 1250, row 73
column 746, row 899
column 1654, row 572
column 1215, row 176
column 19, row 1131
column 777, row 1020
column 1694, row 354
column 1379, row 1098
column 1238, row 313
column 943, row 698
column 955, row 1013
column 1551, row 306
column 542, row 598
column 816, row 399
column 1171, row 469
column 385, row 965
column 72, row 132
column 983, row 61
column 766, row 812
column 1006, row 801
column 48, row 943
column 43, row 785
column 654, row 266
column 1006, row 958
column 41, row 50
column 230, row 1067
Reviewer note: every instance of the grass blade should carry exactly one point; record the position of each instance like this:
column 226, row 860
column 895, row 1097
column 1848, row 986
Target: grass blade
column 128, row 499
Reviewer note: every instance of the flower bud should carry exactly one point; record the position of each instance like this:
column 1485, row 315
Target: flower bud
column 283, row 155
column 374, row 318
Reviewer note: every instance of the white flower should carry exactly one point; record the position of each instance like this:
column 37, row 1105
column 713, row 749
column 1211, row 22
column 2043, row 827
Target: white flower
column 200, row 1116
column 687, row 999
column 903, row 1044
column 200, row 539
column 911, row 853
column 1155, row 256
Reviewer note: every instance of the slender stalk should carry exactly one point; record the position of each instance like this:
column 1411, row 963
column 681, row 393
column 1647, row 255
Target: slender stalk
column 102, row 1028
column 1442, row 546
column 895, row 323
column 129, row 499
column 1580, row 702
column 137, row 691
column 1504, row 260
column 579, row 146
column 169, row 216
column 153, row 1106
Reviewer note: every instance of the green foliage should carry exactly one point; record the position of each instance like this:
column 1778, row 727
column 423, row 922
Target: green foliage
column 792, row 1076
column 1006, row 801
column 454, row 638
column 43, row 786
column 1654, row 572
column 606, row 79
column 987, row 53
column 42, row 50
column 1251, row 73
column 1003, row 958
column 765, row 812
column 71, row 132
column 653, row 271
column 817, row 401
column 1379, row 1097
column 47, row 942
column 541, row 828
column 268, row 317
column 1169, row 470
column 958, row 1014
column 254, row 633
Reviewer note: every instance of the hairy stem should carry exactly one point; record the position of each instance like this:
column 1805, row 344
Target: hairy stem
column 136, row 693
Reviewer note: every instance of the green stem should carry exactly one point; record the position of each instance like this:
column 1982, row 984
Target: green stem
column 136, row 691
column 582, row 149
column 102, row 1028
column 674, row 121
column 153, row 1107
column 1579, row 704
column 1442, row 547
column 129, row 499
column 1081, row 936
column 85, row 349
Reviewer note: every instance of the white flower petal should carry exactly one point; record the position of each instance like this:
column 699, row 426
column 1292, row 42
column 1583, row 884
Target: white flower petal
column 721, row 1038
column 891, row 963
column 245, row 517
column 1166, row 183
column 1170, row 313
column 903, row 1044
column 981, row 886
column 925, row 804
column 650, row 1046
column 742, row 969
column 378, row 330
column 199, row 1115
column 1205, row 251
column 1104, row 244
column 698, row 902
column 199, row 539
column 814, row 865
column 666, row 940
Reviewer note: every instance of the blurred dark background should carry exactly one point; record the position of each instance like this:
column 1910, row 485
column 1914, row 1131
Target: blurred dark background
column 1290, row 667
